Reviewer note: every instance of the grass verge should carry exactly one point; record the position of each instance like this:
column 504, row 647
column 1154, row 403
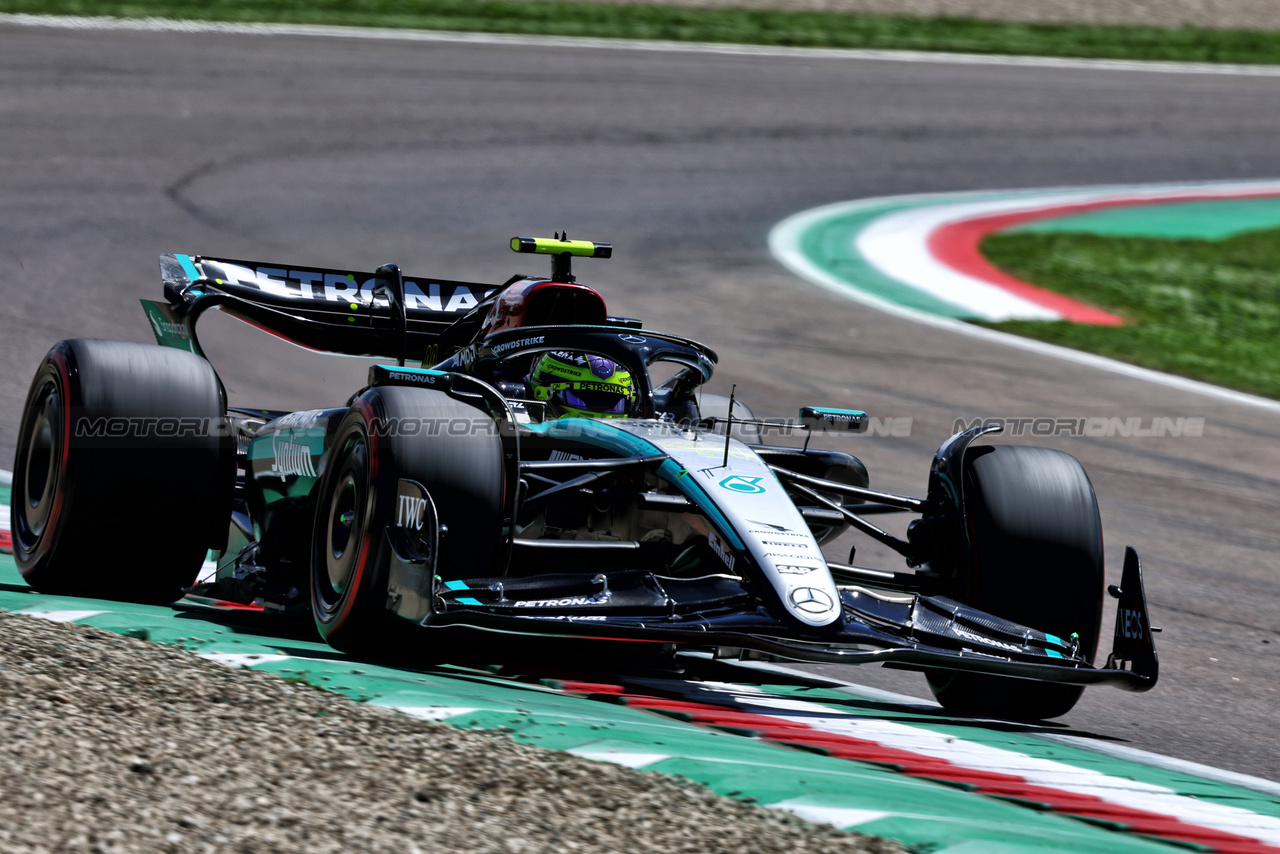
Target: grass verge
column 743, row 26
column 1209, row 310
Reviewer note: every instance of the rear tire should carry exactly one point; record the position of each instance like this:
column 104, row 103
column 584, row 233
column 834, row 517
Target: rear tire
column 123, row 473
column 1036, row 558
column 462, row 472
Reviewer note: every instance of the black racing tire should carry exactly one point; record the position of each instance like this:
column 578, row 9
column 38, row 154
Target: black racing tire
column 462, row 472
column 1036, row 558
column 124, row 471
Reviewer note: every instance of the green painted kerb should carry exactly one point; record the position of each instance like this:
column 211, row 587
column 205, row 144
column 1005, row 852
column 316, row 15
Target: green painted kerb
column 1200, row 220
column 828, row 244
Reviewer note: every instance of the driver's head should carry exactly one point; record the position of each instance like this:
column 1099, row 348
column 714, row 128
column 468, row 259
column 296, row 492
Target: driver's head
column 582, row 384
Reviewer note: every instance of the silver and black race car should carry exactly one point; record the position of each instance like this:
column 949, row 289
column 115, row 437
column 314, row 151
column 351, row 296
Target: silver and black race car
column 548, row 469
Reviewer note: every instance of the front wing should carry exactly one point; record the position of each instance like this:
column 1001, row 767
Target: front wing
column 720, row 612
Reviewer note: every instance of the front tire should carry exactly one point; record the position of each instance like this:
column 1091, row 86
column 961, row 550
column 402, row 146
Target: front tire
column 123, row 473
column 1036, row 558
column 393, row 433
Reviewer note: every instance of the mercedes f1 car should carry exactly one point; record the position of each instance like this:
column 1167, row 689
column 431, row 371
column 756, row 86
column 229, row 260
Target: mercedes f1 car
column 548, row 469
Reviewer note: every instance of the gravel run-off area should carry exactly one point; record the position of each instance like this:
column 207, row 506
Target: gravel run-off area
column 1218, row 14
column 113, row 744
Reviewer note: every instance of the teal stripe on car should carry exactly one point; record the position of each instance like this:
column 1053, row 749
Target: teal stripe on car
column 187, row 267
column 619, row 441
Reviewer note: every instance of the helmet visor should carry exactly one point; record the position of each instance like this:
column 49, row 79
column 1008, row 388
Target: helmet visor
column 602, row 402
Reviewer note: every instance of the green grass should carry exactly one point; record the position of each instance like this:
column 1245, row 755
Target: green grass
column 806, row 29
column 1209, row 310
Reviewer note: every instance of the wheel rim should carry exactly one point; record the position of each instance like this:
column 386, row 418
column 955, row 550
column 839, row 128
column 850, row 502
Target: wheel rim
column 341, row 535
column 39, row 468
column 344, row 532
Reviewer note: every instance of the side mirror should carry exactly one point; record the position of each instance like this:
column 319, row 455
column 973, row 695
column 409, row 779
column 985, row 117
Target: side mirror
column 820, row 419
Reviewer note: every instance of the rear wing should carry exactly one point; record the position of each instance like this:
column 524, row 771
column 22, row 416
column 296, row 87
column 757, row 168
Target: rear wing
column 337, row 311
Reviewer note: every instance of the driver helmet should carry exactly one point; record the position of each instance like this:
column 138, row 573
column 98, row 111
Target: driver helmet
column 582, row 385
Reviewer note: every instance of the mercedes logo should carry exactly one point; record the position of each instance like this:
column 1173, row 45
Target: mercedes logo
column 633, row 339
column 811, row 600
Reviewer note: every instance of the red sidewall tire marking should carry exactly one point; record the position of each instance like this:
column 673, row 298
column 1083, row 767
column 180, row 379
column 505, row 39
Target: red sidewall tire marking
column 362, row 561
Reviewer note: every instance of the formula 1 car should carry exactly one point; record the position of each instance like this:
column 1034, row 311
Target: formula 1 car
column 532, row 475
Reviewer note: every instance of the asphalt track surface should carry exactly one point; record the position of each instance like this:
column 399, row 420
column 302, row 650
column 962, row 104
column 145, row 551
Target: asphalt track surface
column 115, row 147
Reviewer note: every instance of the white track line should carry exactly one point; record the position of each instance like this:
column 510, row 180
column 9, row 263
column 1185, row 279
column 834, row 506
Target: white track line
column 58, row 616
column 1123, row 791
column 841, row 817
column 937, row 58
column 895, row 245
column 1117, row 751
column 1165, row 763
column 617, row 757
